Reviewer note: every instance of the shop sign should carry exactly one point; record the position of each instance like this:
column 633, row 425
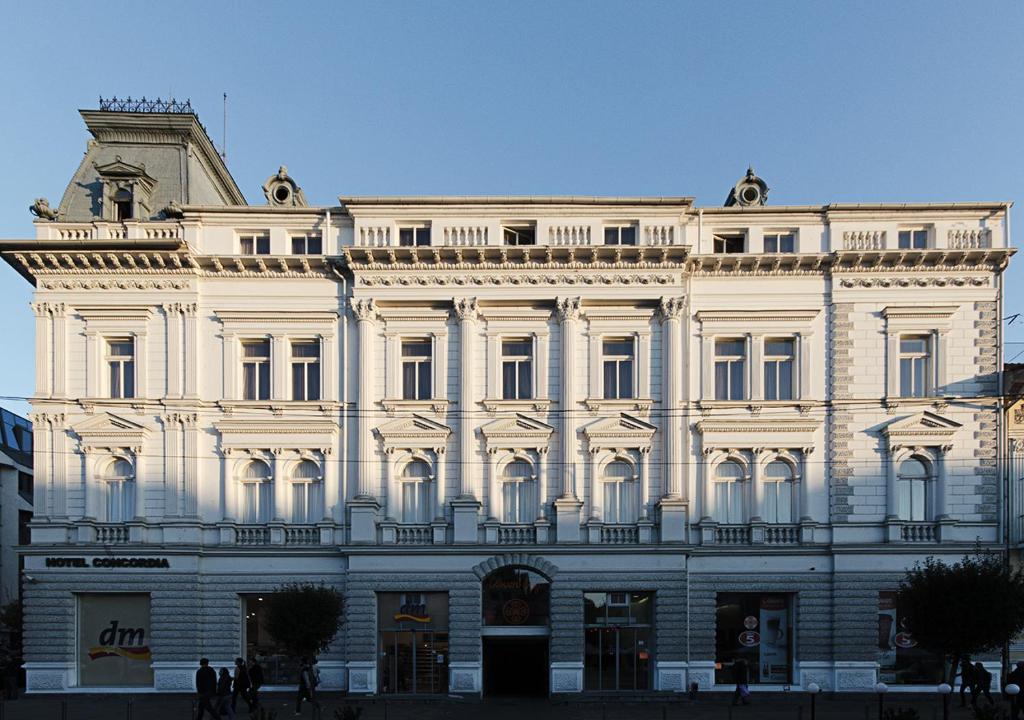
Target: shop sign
column 750, row 638
column 413, row 612
column 108, row 562
column 750, row 622
column 114, row 630
column 516, row 611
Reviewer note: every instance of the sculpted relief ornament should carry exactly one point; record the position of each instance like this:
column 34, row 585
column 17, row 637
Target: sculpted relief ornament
column 363, row 308
column 466, row 308
column 671, row 308
column 568, row 308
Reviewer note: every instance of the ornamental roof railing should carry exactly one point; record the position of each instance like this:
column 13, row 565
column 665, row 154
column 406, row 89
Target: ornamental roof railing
column 142, row 105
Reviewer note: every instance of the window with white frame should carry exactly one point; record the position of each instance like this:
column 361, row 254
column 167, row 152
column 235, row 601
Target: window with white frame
column 730, row 490
column 915, row 365
column 254, row 243
column 620, row 235
column 417, row 369
column 255, row 481
column 307, row 493
column 617, row 357
column 307, row 244
column 730, row 369
column 119, row 486
column 778, row 492
column 780, row 242
column 517, row 492
column 913, row 483
column 121, row 367
column 415, row 492
column 305, row 370
column 913, row 239
column 414, row 235
column 525, row 234
column 256, row 370
column 729, row 243
column 517, row 369
column 779, row 361
column 620, row 493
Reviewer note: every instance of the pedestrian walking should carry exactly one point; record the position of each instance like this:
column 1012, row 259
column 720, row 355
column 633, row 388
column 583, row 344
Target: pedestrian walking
column 240, row 685
column 741, row 674
column 966, row 680
column 224, row 694
column 1016, row 677
column 982, row 684
column 255, row 681
column 308, row 680
column 206, row 689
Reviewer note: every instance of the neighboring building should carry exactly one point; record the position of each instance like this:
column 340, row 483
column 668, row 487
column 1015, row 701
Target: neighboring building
column 621, row 441
column 15, row 499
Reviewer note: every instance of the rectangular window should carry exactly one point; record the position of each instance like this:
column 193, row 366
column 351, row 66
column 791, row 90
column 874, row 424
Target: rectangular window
column 121, row 367
column 413, row 643
column 256, row 502
column 25, row 488
column 306, row 244
column 517, row 369
column 256, row 370
column 618, row 640
column 114, row 640
column 915, row 366
column 779, row 357
column 417, row 370
column 279, row 666
column 733, row 243
column 306, row 505
column 756, row 629
column 306, row 370
column 411, row 236
column 24, row 531
column 254, row 244
column 730, row 369
column 620, row 235
column 779, row 243
column 618, row 368
column 519, row 234
column 916, row 239
column 901, row 661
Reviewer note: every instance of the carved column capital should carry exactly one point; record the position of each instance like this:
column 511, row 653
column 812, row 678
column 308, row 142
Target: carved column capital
column 363, row 308
column 671, row 308
column 568, row 308
column 466, row 308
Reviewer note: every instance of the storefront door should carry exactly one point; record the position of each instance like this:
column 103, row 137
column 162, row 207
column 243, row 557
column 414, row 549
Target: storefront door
column 413, row 643
column 516, row 608
column 516, row 666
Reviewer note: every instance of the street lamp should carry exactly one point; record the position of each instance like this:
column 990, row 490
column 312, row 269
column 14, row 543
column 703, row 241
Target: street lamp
column 944, row 690
column 881, row 689
column 813, row 688
column 1013, row 690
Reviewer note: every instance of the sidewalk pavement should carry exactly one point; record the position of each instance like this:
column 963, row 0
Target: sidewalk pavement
column 708, row 706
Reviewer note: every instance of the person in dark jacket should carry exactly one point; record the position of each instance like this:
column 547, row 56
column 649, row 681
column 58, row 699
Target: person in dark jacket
column 741, row 674
column 206, row 689
column 966, row 680
column 982, row 683
column 241, row 684
column 224, row 694
column 1016, row 677
column 255, row 681
column 307, row 686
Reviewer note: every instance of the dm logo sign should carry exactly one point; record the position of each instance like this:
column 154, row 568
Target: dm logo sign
column 113, row 640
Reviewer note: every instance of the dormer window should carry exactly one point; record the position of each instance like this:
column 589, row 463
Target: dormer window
column 413, row 235
column 123, row 205
column 127, row 191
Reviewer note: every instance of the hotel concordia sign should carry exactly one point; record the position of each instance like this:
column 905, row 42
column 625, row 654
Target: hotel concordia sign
column 108, row 562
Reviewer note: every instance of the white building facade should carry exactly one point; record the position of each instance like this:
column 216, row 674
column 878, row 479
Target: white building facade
column 626, row 441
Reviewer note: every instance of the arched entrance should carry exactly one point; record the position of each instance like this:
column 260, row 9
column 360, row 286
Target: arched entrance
column 516, row 603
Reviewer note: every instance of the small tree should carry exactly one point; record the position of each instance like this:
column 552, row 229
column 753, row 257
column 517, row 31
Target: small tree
column 962, row 609
column 304, row 618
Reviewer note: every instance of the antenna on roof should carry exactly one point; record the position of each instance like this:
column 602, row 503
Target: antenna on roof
column 223, row 139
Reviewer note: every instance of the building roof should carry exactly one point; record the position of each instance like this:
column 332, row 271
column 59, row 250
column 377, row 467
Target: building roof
column 16, row 437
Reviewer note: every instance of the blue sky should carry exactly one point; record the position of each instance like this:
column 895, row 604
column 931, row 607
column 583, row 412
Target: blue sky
column 831, row 102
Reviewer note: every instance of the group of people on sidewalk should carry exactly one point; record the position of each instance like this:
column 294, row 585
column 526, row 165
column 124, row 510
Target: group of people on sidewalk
column 218, row 693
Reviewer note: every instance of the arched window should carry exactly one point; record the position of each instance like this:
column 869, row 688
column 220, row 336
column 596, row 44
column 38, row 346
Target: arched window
column 730, row 493
column 119, row 481
column 256, row 492
column 778, row 492
column 517, row 492
column 620, row 493
column 307, row 493
column 912, row 488
column 415, row 492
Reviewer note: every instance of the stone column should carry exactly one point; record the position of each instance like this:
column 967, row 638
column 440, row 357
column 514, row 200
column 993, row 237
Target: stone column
column 59, row 312
column 280, row 486
column 596, row 497
column 757, row 485
column 567, row 506
column 439, row 482
column 803, row 491
column 191, row 350
column 91, row 484
column 542, row 483
column 44, row 363
column 645, row 481
column 942, row 477
column 492, row 485
column 174, row 354
column 365, row 311
column 331, row 494
column 466, row 507
column 674, row 504
column 139, row 510
column 172, row 463
column 190, row 485
column 891, row 495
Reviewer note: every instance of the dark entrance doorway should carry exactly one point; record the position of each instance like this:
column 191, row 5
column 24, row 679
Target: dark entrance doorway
column 516, row 666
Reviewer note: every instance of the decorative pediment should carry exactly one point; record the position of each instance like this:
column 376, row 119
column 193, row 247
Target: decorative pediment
column 623, row 431
column 121, row 169
column 923, row 428
column 518, row 431
column 415, row 431
column 109, row 431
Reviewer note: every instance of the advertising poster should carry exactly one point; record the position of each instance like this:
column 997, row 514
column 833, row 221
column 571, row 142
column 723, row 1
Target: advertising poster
column 113, row 640
column 774, row 648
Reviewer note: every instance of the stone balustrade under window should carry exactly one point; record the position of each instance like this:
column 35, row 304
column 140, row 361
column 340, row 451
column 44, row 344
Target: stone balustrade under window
column 517, row 535
column 620, row 535
column 918, row 532
column 111, row 534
